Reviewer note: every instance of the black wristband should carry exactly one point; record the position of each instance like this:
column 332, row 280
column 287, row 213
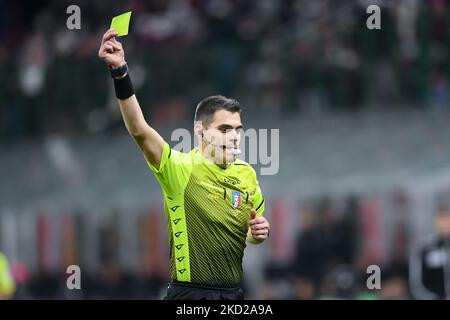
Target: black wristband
column 123, row 87
column 119, row 72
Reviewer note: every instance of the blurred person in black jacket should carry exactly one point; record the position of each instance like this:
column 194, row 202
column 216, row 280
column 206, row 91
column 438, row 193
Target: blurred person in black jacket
column 326, row 240
column 430, row 264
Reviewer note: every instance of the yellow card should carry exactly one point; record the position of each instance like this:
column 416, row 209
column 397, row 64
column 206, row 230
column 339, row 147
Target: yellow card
column 121, row 23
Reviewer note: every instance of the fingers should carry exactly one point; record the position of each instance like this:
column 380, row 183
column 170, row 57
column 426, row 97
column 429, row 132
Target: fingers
column 110, row 34
column 102, row 52
column 260, row 232
column 261, row 235
column 260, row 226
column 252, row 214
column 106, row 49
column 115, row 41
column 109, row 47
column 257, row 221
column 109, row 44
column 113, row 45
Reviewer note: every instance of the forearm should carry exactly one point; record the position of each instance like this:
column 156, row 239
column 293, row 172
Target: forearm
column 129, row 106
column 132, row 116
column 150, row 142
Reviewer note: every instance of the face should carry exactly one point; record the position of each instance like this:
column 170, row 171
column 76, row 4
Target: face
column 443, row 225
column 222, row 137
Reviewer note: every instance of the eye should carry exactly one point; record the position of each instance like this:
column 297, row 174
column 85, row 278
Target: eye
column 226, row 130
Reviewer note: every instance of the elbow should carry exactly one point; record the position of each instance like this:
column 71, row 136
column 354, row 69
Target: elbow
column 138, row 132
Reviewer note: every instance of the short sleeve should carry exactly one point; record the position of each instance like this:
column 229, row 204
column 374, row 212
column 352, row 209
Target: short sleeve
column 258, row 200
column 174, row 170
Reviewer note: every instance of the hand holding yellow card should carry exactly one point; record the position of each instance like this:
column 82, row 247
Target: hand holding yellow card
column 121, row 23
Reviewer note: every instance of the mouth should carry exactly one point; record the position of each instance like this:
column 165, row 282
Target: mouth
column 234, row 149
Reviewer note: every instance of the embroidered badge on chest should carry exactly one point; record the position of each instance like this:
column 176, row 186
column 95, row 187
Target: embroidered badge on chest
column 236, row 199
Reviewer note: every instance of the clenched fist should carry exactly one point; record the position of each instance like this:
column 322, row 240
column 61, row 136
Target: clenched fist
column 111, row 50
column 259, row 226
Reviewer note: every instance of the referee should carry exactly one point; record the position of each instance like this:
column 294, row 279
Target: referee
column 212, row 200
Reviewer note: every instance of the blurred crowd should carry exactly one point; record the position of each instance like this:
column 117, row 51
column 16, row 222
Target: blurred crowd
column 275, row 56
column 330, row 259
column 335, row 253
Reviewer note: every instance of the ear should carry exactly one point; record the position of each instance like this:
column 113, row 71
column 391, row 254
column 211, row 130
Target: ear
column 198, row 128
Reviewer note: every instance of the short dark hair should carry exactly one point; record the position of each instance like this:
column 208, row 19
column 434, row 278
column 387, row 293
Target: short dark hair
column 208, row 106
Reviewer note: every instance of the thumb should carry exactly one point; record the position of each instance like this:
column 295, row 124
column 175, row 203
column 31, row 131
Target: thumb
column 252, row 214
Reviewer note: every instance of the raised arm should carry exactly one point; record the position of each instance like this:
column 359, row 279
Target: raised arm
column 150, row 142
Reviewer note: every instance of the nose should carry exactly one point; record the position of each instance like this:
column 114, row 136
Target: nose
column 233, row 135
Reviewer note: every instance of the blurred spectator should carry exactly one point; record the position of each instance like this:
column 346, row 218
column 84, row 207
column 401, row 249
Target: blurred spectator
column 278, row 55
column 430, row 263
column 439, row 91
column 326, row 241
column 339, row 283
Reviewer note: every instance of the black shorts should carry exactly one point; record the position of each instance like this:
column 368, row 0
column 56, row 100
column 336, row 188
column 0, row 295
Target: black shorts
column 187, row 291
